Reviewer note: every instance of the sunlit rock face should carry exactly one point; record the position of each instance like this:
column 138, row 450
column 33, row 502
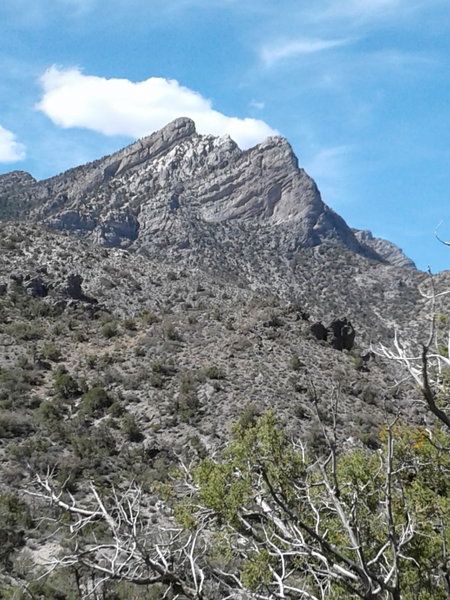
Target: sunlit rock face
column 175, row 189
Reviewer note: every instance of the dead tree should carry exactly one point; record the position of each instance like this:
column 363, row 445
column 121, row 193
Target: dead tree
column 115, row 540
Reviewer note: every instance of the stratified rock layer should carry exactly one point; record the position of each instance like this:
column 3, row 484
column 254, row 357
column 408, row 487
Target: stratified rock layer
column 179, row 192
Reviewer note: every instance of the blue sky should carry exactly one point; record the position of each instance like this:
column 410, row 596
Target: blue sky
column 361, row 89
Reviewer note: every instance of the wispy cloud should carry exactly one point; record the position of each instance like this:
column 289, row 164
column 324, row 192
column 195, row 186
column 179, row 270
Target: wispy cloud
column 10, row 149
column 257, row 105
column 135, row 109
column 273, row 53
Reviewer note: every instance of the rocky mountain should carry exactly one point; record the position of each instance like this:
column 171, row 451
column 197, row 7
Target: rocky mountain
column 190, row 229
column 150, row 299
column 385, row 249
column 179, row 191
column 199, row 201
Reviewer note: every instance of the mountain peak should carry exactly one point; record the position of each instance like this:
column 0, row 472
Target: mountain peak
column 387, row 250
column 172, row 133
column 177, row 189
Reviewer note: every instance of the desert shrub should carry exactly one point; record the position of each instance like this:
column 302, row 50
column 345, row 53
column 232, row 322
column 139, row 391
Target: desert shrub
column 162, row 368
column 214, row 372
column 64, row 385
column 148, row 317
column 156, row 380
column 14, row 385
column 295, row 363
column 171, row 333
column 14, row 424
column 50, row 351
column 249, row 416
column 14, row 518
column 109, row 329
column 130, row 324
column 358, row 363
column 94, row 402
column 49, row 412
column 116, row 410
column 131, row 428
column 94, row 445
column 25, row 331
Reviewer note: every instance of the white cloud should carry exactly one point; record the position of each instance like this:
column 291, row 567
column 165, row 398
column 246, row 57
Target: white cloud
column 256, row 104
column 10, row 149
column 272, row 53
column 135, row 109
column 372, row 11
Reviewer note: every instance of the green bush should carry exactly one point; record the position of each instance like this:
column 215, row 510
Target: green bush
column 14, row 518
column 171, row 333
column 131, row 428
column 13, row 424
column 130, row 324
column 94, row 402
column 64, row 385
column 295, row 363
column 109, row 329
column 50, row 351
column 49, row 412
column 213, row 372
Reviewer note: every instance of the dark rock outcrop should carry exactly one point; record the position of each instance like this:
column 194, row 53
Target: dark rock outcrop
column 75, row 291
column 36, row 288
column 319, row 331
column 341, row 334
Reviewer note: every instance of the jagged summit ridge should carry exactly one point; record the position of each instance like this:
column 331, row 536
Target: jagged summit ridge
column 175, row 189
column 387, row 250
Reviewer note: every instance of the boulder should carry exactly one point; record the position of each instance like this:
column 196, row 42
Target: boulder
column 341, row 334
column 319, row 331
column 36, row 288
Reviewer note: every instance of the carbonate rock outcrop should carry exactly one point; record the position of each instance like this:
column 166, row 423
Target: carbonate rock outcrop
column 175, row 190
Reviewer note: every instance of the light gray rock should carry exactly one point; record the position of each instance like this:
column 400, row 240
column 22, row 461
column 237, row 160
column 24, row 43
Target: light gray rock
column 180, row 191
column 385, row 249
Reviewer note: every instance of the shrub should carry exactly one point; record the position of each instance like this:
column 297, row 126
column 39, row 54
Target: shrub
column 50, row 351
column 109, row 329
column 295, row 363
column 213, row 372
column 13, row 424
column 131, row 429
column 148, row 317
column 130, row 324
column 94, row 402
column 94, row 446
column 64, row 384
column 14, row 517
column 171, row 333
column 49, row 412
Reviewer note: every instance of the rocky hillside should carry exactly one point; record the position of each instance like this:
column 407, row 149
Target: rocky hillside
column 150, row 299
column 179, row 191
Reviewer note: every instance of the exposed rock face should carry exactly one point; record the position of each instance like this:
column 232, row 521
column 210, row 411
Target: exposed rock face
column 75, row 291
column 341, row 334
column 319, row 331
column 176, row 190
column 36, row 288
column 385, row 249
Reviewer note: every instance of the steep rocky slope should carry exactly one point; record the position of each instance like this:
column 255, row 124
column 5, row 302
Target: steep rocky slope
column 179, row 191
column 150, row 299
